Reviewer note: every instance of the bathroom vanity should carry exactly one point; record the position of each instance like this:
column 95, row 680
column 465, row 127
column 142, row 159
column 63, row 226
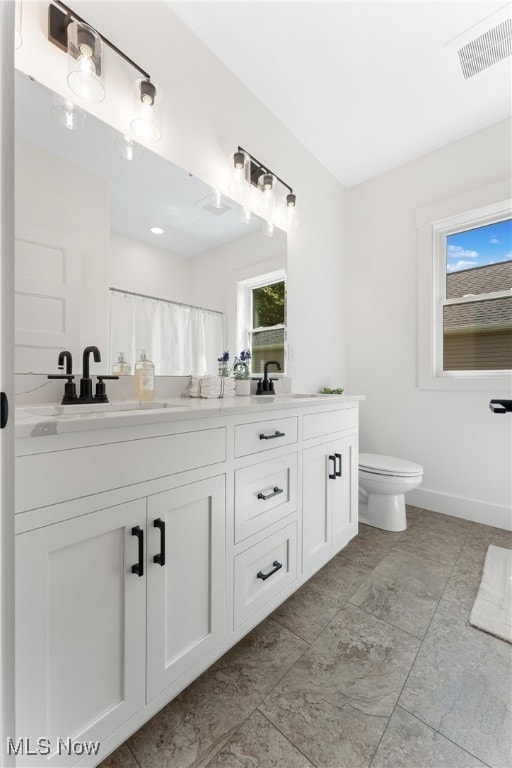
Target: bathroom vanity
column 150, row 541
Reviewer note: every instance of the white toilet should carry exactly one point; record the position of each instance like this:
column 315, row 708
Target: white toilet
column 383, row 480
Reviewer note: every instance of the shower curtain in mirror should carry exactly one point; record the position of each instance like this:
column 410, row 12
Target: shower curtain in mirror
column 178, row 338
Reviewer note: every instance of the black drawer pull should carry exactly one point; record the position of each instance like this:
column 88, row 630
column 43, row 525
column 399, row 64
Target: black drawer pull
column 138, row 568
column 160, row 558
column 276, row 567
column 339, row 470
column 275, row 492
column 277, row 433
column 332, row 476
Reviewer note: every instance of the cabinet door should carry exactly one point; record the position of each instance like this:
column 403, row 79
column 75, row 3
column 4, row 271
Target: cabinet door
column 344, row 492
column 80, row 630
column 186, row 595
column 316, row 506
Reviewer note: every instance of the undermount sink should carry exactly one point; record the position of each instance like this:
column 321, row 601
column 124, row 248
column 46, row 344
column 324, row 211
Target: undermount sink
column 85, row 408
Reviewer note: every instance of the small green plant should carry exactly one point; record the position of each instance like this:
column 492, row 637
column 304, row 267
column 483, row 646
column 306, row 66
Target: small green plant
column 329, row 391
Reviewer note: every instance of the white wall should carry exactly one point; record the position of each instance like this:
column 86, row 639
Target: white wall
column 207, row 114
column 143, row 268
column 464, row 448
column 57, row 195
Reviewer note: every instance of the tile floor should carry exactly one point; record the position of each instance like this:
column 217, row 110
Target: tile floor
column 371, row 663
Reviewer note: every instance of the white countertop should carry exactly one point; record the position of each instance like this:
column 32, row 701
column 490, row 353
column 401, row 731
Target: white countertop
column 44, row 420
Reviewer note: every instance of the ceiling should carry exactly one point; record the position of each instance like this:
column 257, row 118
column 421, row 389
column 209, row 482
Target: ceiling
column 364, row 86
column 144, row 193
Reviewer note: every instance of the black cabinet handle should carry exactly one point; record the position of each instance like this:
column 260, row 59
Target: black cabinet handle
column 277, row 433
column 160, row 558
column 4, row 410
column 339, row 470
column 275, row 492
column 500, row 406
column 333, row 475
column 276, row 566
column 138, row 568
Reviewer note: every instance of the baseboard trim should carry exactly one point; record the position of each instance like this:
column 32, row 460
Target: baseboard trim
column 458, row 506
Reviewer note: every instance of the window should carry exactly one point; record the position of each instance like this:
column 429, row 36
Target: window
column 474, row 304
column 262, row 319
column 476, row 298
column 465, row 294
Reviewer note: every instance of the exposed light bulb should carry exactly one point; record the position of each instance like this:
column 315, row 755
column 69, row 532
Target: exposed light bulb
column 267, row 185
column 85, row 62
column 156, row 230
column 291, row 210
column 147, row 116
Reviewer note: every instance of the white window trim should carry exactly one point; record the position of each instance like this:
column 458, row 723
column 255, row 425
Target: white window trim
column 434, row 224
column 244, row 309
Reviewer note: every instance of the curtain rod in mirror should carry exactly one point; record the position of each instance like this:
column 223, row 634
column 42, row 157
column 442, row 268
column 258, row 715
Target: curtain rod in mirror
column 165, row 301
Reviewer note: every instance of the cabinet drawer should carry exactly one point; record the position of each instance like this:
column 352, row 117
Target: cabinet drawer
column 263, row 571
column 264, row 435
column 264, row 494
column 318, row 424
column 49, row 478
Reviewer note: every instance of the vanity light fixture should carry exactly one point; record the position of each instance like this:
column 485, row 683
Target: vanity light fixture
column 86, row 69
column 86, row 63
column 246, row 169
column 67, row 113
column 291, row 213
column 240, row 186
column 147, row 110
column 156, row 230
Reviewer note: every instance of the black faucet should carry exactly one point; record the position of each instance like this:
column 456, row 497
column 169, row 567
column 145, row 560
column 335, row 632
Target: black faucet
column 69, row 396
column 267, row 385
column 68, row 359
column 86, row 381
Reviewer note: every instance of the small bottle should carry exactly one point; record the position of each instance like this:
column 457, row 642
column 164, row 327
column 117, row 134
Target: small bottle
column 144, row 378
column 121, row 367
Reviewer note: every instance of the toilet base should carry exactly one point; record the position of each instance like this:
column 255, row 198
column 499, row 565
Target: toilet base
column 385, row 512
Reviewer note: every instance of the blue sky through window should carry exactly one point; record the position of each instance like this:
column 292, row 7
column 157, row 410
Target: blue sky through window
column 476, row 247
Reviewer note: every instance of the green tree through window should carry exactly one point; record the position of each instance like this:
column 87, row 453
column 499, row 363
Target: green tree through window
column 268, row 305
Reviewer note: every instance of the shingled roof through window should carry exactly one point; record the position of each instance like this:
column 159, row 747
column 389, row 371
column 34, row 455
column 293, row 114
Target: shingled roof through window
column 487, row 315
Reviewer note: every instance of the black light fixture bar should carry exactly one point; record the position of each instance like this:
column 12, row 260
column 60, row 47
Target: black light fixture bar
column 257, row 168
column 58, row 22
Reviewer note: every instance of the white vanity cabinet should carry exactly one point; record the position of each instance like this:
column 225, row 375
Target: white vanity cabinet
column 329, row 488
column 80, row 629
column 186, row 579
column 145, row 552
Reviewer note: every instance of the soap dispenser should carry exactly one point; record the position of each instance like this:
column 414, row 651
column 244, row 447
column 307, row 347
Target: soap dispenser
column 121, row 367
column 144, row 378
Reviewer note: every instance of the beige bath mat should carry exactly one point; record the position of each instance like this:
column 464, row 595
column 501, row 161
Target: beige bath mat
column 492, row 610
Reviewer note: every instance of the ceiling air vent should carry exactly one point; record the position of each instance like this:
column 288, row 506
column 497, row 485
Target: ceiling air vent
column 487, row 49
column 215, row 204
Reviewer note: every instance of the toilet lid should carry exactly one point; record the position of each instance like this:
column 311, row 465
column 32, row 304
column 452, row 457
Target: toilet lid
column 388, row 465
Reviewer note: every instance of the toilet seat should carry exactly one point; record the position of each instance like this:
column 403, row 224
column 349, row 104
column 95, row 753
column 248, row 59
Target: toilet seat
column 388, row 465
